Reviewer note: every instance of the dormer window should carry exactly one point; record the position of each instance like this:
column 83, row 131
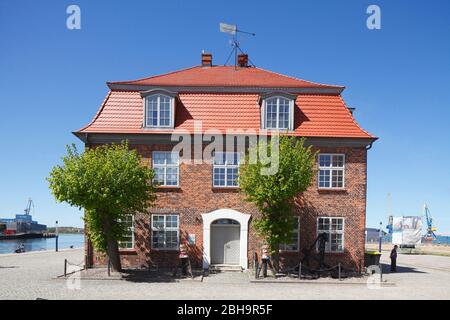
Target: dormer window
column 159, row 109
column 277, row 112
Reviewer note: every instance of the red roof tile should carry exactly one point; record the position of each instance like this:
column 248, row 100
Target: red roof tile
column 315, row 115
column 228, row 76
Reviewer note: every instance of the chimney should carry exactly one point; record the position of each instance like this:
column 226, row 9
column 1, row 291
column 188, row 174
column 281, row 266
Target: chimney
column 243, row 60
column 206, row 59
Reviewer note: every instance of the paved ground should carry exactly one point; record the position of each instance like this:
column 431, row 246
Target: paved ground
column 33, row 275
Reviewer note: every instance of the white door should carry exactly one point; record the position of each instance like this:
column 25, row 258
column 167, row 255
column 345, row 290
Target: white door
column 225, row 244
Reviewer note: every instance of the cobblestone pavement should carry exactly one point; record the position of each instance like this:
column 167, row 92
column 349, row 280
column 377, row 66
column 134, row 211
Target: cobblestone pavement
column 34, row 275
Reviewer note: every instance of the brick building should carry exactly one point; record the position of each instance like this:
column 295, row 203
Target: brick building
column 198, row 202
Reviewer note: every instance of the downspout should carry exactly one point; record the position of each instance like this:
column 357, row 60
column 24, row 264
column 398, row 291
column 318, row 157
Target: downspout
column 361, row 261
column 90, row 252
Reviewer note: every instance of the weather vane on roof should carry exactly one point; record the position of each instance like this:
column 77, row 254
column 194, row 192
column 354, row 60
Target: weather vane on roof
column 233, row 30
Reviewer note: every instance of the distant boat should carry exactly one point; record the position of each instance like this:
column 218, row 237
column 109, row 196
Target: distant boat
column 22, row 226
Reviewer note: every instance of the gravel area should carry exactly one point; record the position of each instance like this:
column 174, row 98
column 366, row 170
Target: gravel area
column 35, row 275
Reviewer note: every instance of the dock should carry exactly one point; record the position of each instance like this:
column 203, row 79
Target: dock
column 27, row 236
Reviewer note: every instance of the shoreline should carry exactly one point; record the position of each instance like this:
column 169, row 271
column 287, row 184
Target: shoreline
column 38, row 251
column 26, row 236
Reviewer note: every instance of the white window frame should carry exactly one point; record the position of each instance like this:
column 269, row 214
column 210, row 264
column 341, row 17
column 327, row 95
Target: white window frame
column 158, row 120
column 283, row 245
column 165, row 166
column 264, row 113
column 226, row 166
column 329, row 232
column 177, row 229
column 132, row 236
column 331, row 168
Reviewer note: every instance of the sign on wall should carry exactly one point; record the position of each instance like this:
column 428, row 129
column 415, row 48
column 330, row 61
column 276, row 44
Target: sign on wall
column 191, row 239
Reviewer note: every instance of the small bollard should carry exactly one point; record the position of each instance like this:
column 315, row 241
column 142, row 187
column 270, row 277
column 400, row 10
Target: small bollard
column 381, row 272
column 109, row 267
column 300, row 271
column 265, row 262
column 339, row 271
column 264, row 259
column 65, row 267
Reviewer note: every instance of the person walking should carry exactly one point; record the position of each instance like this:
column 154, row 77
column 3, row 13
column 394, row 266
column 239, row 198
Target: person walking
column 394, row 259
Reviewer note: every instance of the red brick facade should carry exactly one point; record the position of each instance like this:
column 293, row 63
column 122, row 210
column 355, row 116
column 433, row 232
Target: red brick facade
column 196, row 196
column 208, row 98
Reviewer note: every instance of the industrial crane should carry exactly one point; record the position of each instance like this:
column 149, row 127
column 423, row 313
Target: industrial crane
column 29, row 205
column 430, row 235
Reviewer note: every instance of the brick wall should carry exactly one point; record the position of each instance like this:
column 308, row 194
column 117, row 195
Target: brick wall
column 196, row 196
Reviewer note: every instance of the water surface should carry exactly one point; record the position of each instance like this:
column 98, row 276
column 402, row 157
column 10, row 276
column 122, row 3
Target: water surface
column 64, row 241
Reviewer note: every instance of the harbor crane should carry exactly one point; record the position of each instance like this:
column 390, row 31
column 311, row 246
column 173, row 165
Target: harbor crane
column 29, row 205
column 430, row 235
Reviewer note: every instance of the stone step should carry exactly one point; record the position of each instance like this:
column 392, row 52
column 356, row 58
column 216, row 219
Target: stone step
column 225, row 268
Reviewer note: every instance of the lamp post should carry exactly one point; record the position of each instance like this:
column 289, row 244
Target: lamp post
column 57, row 235
column 380, row 235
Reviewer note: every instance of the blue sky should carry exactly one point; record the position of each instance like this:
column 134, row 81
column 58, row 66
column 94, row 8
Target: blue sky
column 52, row 81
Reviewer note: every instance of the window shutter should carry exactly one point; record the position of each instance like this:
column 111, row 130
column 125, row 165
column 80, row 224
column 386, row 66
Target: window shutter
column 172, row 112
column 263, row 115
column 291, row 115
column 144, row 103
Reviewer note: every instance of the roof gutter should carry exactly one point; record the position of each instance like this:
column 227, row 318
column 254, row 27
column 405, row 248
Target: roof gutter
column 226, row 89
column 166, row 138
column 83, row 136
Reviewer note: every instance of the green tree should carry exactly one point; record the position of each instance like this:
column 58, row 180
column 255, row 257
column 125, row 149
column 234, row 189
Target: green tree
column 274, row 194
column 108, row 182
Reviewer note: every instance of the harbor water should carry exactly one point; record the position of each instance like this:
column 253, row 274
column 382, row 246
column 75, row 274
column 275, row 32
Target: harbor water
column 442, row 240
column 64, row 241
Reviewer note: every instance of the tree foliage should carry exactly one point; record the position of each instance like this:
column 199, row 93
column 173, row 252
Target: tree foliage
column 274, row 194
column 108, row 182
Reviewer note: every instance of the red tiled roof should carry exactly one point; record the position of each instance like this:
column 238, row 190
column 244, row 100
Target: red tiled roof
column 225, row 76
column 315, row 115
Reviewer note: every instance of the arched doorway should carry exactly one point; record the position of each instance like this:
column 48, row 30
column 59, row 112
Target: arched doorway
column 225, row 217
column 225, row 242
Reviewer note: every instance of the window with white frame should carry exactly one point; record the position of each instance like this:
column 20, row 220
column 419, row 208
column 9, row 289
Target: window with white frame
column 127, row 241
column 166, row 168
column 331, row 171
column 334, row 228
column 226, row 169
column 293, row 245
column 159, row 111
column 165, row 231
column 278, row 113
